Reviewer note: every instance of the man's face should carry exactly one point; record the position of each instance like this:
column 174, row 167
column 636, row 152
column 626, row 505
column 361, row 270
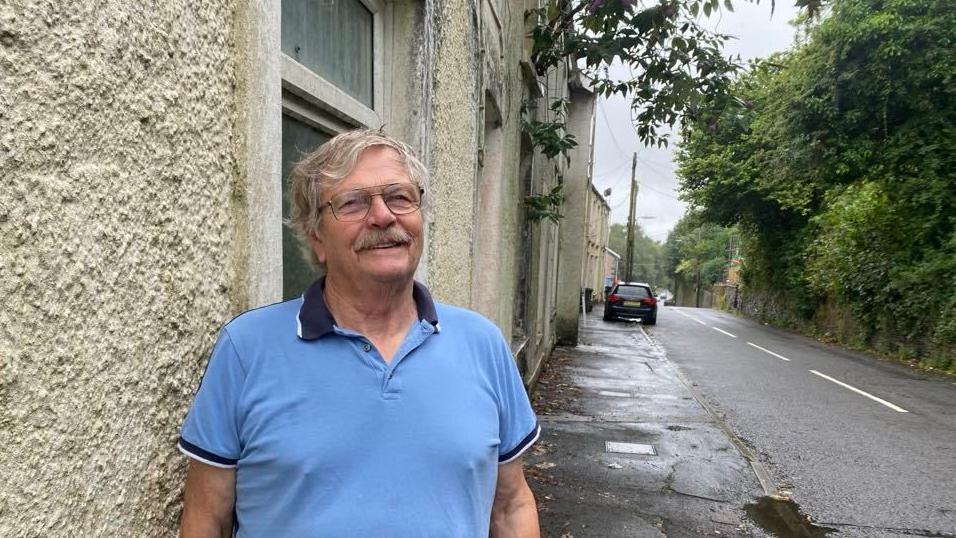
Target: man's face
column 382, row 247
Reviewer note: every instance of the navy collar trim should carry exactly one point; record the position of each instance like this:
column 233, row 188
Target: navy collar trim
column 315, row 321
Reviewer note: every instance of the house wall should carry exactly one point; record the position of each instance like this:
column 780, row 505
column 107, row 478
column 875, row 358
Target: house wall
column 122, row 208
column 597, row 239
column 539, row 252
column 611, row 264
column 574, row 227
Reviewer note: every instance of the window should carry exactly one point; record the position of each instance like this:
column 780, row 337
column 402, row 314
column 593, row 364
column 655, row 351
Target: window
column 334, row 39
column 298, row 138
column 332, row 59
column 633, row 292
column 331, row 82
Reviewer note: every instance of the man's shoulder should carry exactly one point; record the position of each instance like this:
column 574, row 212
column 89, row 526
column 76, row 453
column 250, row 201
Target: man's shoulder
column 456, row 318
column 269, row 319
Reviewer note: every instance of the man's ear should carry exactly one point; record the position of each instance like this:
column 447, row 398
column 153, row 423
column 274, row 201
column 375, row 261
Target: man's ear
column 317, row 247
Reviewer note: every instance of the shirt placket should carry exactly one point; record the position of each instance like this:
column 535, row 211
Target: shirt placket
column 391, row 383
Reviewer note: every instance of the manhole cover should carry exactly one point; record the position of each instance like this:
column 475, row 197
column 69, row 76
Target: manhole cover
column 629, row 448
column 612, row 393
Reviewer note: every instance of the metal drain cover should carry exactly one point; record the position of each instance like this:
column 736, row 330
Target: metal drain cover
column 629, row 448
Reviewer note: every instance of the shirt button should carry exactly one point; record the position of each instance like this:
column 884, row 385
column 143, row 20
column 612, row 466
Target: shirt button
column 367, row 347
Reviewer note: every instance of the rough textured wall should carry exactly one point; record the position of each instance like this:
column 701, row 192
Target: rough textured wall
column 453, row 153
column 499, row 185
column 116, row 201
column 574, row 225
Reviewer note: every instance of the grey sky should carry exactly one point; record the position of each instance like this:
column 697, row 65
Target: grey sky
column 615, row 139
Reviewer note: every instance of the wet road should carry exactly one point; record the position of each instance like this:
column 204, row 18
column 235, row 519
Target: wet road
column 865, row 446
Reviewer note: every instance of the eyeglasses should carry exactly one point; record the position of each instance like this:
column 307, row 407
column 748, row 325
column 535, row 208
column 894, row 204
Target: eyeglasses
column 354, row 205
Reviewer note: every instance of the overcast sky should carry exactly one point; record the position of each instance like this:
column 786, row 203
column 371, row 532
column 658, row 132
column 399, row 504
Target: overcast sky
column 757, row 35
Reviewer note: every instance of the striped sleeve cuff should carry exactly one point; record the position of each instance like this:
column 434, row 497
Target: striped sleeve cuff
column 519, row 449
column 204, row 456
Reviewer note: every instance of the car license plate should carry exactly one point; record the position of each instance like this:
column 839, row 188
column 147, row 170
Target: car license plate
column 632, row 303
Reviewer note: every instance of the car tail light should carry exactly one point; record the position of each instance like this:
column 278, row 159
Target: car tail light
column 650, row 301
column 613, row 298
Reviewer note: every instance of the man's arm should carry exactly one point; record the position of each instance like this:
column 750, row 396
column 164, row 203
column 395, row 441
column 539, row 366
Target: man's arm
column 514, row 513
column 208, row 501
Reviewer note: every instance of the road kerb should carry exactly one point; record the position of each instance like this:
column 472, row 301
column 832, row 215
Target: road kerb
column 763, row 476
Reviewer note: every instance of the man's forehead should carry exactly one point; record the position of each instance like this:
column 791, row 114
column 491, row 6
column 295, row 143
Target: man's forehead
column 384, row 167
column 379, row 160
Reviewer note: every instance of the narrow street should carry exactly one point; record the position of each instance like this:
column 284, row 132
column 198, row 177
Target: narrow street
column 861, row 446
column 865, row 446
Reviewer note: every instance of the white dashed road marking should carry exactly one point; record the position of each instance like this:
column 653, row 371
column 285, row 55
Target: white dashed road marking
column 860, row 392
column 688, row 316
column 781, row 357
column 723, row 331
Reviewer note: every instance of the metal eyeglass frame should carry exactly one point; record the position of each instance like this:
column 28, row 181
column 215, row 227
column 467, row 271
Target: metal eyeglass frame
column 421, row 194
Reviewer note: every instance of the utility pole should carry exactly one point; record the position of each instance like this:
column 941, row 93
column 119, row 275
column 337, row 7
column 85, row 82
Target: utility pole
column 631, row 223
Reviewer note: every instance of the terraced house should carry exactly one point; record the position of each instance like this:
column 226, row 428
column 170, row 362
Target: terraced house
column 144, row 151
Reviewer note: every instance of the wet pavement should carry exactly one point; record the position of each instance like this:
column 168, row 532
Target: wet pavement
column 628, row 450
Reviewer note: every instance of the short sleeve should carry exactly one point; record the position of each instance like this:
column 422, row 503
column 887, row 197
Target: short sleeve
column 210, row 432
column 517, row 425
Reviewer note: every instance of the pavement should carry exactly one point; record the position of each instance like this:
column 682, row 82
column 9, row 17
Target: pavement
column 682, row 472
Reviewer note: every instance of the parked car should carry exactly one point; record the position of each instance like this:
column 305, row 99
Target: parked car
column 631, row 300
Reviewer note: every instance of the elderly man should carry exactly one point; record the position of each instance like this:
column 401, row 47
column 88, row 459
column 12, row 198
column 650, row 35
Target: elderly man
column 352, row 411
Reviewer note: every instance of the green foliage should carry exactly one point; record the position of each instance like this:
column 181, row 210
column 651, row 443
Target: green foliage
column 676, row 63
column 551, row 137
column 650, row 262
column 838, row 161
column 699, row 248
column 676, row 66
column 545, row 206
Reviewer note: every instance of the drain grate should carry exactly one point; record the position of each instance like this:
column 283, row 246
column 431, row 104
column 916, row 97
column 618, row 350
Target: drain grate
column 629, row 448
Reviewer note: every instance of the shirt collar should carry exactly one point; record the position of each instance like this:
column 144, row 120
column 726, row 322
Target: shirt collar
column 315, row 321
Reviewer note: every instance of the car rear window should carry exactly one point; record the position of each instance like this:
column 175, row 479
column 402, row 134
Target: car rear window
column 633, row 292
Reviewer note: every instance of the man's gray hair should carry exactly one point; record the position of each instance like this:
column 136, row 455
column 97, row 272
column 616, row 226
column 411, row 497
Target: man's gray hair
column 329, row 164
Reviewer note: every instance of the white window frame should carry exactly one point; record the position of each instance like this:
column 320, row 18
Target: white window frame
column 339, row 111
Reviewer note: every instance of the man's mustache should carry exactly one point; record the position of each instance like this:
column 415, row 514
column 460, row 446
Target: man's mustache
column 378, row 238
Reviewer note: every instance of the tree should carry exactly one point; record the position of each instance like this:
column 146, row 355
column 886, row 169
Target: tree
column 838, row 162
column 697, row 250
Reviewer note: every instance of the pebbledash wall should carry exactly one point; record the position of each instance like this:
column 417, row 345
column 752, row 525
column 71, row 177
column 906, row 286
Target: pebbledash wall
column 142, row 149
column 121, row 211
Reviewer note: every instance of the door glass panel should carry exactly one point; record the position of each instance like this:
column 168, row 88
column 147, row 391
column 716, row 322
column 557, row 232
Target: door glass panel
column 298, row 138
column 333, row 38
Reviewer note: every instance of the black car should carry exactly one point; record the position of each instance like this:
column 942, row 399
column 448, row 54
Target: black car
column 631, row 300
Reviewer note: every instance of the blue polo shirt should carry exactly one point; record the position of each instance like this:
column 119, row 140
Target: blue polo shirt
column 329, row 440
